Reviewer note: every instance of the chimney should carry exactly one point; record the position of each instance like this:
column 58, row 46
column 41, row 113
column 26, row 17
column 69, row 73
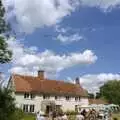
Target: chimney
column 41, row 74
column 77, row 81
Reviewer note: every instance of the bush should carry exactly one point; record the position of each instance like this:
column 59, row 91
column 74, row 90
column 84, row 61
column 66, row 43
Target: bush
column 115, row 119
column 70, row 112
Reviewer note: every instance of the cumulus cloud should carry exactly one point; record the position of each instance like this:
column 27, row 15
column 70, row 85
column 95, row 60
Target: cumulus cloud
column 32, row 14
column 39, row 13
column 92, row 82
column 104, row 5
column 71, row 38
column 24, row 60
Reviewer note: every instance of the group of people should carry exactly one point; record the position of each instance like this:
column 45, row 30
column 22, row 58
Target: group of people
column 79, row 116
column 40, row 116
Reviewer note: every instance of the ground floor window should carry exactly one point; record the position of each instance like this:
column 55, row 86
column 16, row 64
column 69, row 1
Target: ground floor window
column 31, row 108
column 28, row 108
column 25, row 108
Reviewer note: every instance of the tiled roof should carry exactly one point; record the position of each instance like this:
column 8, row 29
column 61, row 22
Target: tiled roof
column 46, row 86
column 97, row 101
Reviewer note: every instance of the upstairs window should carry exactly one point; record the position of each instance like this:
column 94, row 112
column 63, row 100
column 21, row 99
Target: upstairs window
column 46, row 97
column 77, row 98
column 26, row 95
column 67, row 97
column 29, row 96
column 32, row 96
column 56, row 97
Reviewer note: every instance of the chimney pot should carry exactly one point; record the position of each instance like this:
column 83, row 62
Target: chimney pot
column 41, row 74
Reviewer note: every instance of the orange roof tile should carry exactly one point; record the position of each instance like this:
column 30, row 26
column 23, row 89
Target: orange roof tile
column 34, row 84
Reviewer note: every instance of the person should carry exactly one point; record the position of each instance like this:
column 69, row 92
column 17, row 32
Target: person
column 64, row 117
column 83, row 112
column 37, row 116
column 42, row 117
column 79, row 117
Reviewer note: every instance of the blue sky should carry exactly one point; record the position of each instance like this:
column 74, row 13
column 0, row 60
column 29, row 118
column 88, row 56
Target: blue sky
column 89, row 26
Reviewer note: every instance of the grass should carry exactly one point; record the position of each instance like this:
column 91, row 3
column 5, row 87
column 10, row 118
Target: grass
column 29, row 117
column 116, row 115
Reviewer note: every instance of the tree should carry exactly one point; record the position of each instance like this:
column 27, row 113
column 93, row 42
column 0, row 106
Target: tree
column 7, row 106
column 5, row 53
column 98, row 95
column 111, row 91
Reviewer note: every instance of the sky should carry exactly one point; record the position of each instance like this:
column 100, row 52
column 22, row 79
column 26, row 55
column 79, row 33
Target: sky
column 66, row 39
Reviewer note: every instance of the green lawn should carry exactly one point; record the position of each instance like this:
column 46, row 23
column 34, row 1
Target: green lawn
column 117, row 115
column 29, row 117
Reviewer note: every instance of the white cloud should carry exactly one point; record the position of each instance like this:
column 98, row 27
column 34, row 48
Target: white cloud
column 60, row 29
column 92, row 82
column 71, row 38
column 102, row 4
column 24, row 61
column 32, row 14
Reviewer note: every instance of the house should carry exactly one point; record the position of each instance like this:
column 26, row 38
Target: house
column 33, row 94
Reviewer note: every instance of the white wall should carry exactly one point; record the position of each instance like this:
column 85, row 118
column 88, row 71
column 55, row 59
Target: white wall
column 66, row 104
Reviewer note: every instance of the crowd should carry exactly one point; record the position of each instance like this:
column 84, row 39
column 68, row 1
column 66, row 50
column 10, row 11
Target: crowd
column 79, row 116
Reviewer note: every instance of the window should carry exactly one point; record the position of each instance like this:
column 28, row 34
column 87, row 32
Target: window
column 32, row 108
column 29, row 96
column 67, row 98
column 77, row 98
column 56, row 97
column 26, row 95
column 46, row 96
column 32, row 96
column 25, row 108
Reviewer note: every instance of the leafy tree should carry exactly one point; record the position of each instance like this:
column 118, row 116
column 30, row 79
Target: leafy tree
column 5, row 53
column 111, row 91
column 7, row 106
column 98, row 95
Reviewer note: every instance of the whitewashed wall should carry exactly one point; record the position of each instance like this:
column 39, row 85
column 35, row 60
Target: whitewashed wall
column 66, row 104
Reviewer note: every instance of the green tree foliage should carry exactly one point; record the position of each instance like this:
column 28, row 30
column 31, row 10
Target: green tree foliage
column 7, row 106
column 8, row 111
column 111, row 91
column 5, row 54
column 98, row 95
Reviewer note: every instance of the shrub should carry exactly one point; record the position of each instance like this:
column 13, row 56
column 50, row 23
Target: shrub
column 115, row 119
column 70, row 112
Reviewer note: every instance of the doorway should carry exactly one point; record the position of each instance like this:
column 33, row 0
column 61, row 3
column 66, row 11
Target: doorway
column 48, row 109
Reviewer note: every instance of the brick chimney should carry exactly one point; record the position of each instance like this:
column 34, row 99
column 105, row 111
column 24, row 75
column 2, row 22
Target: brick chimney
column 77, row 81
column 41, row 74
